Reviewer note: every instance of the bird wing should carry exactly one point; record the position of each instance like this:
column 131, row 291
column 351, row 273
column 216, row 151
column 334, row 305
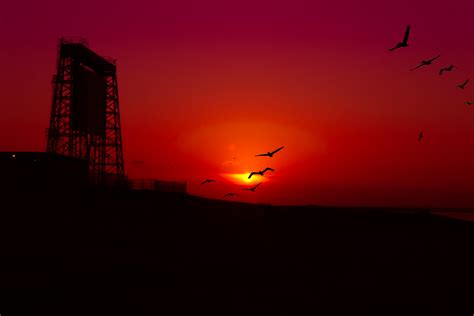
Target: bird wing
column 433, row 59
column 277, row 150
column 251, row 174
column 407, row 33
column 420, row 65
column 392, row 49
column 261, row 155
column 266, row 169
column 441, row 71
column 205, row 181
column 256, row 186
column 463, row 84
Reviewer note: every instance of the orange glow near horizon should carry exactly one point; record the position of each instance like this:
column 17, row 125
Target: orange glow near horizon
column 242, row 178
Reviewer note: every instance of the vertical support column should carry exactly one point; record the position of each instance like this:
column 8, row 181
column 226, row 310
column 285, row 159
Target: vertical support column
column 60, row 138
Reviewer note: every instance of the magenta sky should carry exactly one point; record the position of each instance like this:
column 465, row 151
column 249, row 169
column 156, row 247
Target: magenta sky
column 198, row 78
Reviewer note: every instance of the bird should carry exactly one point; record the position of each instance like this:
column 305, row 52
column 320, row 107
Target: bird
column 469, row 103
column 260, row 172
column 270, row 154
column 420, row 136
column 451, row 67
column 425, row 62
column 461, row 86
column 404, row 43
column 207, row 181
column 253, row 188
column 230, row 195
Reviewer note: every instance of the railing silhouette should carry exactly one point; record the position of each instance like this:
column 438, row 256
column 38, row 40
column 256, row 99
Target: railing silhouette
column 158, row 185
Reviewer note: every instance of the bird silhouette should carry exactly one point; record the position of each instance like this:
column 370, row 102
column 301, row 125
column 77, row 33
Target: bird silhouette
column 270, row 154
column 450, row 68
column 469, row 103
column 253, row 188
column 262, row 172
column 425, row 62
column 420, row 136
column 207, row 181
column 404, row 43
column 461, row 86
column 230, row 195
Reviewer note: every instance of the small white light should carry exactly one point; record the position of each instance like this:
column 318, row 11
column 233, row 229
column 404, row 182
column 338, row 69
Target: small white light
column 13, row 156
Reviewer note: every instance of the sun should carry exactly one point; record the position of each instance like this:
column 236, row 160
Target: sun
column 243, row 178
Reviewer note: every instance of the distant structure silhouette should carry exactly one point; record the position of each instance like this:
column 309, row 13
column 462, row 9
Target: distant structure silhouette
column 425, row 62
column 262, row 172
column 462, row 85
column 270, row 154
column 449, row 68
column 420, row 136
column 403, row 43
column 85, row 115
column 207, row 181
column 253, row 188
column 230, row 195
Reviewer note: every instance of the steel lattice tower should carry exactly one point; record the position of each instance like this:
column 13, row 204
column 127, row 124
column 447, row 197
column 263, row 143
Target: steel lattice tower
column 103, row 149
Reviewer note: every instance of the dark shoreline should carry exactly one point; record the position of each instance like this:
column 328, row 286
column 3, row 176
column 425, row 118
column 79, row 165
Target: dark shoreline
column 145, row 253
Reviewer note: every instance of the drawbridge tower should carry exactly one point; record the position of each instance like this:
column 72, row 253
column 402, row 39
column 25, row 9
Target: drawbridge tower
column 85, row 115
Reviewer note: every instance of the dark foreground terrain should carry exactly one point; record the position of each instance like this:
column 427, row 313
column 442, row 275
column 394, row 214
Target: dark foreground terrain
column 140, row 253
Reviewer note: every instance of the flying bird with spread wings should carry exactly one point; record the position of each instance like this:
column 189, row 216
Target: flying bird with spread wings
column 230, row 195
column 270, row 154
column 262, row 172
column 404, row 43
column 420, row 136
column 461, row 86
column 207, row 181
column 425, row 62
column 253, row 188
column 450, row 68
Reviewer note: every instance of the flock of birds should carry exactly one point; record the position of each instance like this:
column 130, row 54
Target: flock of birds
column 404, row 43
column 261, row 173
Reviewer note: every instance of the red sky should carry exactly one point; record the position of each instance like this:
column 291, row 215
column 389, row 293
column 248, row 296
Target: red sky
column 202, row 82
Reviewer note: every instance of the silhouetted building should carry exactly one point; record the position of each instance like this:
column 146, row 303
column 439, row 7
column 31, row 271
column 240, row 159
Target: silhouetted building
column 84, row 136
column 39, row 171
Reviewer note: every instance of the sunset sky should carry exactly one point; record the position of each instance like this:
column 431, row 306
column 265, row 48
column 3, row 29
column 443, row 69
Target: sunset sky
column 206, row 85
